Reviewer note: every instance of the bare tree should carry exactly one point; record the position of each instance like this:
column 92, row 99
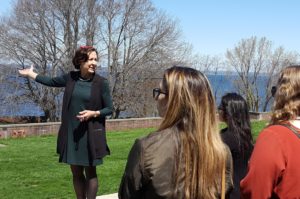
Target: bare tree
column 45, row 33
column 139, row 41
column 136, row 40
column 7, row 91
column 278, row 60
column 251, row 58
column 212, row 66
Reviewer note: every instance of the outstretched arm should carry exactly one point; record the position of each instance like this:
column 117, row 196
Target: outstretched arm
column 59, row 81
column 28, row 72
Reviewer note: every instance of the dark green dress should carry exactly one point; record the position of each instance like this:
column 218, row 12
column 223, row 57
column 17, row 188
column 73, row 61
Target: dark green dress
column 77, row 148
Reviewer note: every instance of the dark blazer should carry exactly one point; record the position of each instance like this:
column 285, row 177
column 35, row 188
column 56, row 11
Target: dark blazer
column 96, row 133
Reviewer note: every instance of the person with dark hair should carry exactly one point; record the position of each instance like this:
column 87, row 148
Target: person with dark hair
column 81, row 141
column 185, row 158
column 233, row 110
column 274, row 164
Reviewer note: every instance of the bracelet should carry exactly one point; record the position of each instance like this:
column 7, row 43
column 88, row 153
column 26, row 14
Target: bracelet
column 96, row 114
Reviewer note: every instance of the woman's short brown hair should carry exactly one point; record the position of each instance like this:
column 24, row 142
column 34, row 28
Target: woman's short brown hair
column 82, row 55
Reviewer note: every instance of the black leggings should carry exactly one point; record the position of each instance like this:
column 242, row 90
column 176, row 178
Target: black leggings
column 85, row 181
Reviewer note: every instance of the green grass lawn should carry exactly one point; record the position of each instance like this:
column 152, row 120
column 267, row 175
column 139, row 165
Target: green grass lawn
column 29, row 167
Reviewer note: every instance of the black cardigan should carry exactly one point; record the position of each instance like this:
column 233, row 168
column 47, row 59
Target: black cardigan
column 96, row 133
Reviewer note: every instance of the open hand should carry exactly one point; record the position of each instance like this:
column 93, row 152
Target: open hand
column 28, row 72
column 24, row 72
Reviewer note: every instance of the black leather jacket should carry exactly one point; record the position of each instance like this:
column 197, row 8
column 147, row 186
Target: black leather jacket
column 149, row 169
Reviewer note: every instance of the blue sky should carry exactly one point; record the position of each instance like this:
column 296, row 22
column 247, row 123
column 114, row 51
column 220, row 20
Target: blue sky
column 213, row 26
column 5, row 7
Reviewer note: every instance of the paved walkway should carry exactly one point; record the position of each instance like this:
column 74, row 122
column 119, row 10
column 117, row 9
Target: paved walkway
column 109, row 196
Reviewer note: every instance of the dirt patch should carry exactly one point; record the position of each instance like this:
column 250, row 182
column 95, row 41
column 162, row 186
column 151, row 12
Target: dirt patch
column 2, row 145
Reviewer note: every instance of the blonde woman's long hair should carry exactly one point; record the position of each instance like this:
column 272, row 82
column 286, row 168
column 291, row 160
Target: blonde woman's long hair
column 191, row 110
column 287, row 97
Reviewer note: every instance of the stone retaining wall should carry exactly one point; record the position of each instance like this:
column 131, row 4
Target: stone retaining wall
column 23, row 130
column 260, row 115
